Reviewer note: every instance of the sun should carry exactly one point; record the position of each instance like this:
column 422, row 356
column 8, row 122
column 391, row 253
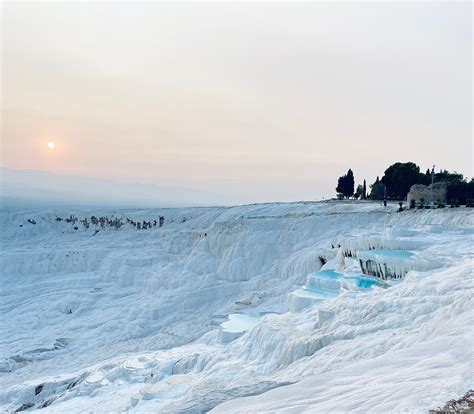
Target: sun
column 51, row 145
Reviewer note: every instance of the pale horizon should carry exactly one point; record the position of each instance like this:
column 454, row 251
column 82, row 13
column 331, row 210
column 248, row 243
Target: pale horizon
column 236, row 103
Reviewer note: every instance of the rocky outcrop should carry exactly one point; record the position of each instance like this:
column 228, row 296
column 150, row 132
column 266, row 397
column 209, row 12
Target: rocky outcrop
column 422, row 194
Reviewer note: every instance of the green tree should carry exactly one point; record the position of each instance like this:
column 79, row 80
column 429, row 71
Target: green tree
column 345, row 184
column 399, row 177
column 447, row 177
column 470, row 193
column 457, row 191
column 424, row 179
column 349, row 187
column 377, row 190
column 340, row 185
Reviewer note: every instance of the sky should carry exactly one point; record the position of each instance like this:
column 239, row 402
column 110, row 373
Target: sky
column 234, row 102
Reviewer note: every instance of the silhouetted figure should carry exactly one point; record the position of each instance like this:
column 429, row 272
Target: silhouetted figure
column 85, row 223
column 71, row 219
column 162, row 221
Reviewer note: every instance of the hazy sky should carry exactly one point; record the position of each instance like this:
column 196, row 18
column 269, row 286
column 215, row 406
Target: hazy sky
column 248, row 102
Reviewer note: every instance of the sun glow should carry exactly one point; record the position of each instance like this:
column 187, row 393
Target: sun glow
column 51, row 145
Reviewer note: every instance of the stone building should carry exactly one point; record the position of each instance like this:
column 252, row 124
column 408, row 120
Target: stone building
column 423, row 193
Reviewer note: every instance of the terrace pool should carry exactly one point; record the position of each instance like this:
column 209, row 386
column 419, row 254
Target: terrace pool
column 239, row 322
column 396, row 254
column 327, row 274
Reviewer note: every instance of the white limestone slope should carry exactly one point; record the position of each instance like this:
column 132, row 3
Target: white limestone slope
column 129, row 320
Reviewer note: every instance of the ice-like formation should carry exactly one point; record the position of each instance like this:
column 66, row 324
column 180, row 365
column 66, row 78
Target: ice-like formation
column 51, row 261
column 393, row 264
column 304, row 297
column 120, row 320
column 327, row 284
column 350, row 246
column 361, row 282
column 235, row 326
column 327, row 279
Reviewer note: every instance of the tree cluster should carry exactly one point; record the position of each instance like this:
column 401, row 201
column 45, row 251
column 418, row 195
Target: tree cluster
column 398, row 179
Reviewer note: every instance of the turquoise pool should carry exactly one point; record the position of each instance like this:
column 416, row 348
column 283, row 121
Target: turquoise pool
column 399, row 254
column 239, row 322
column 328, row 274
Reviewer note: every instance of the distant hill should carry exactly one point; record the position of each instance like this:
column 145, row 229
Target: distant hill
column 30, row 188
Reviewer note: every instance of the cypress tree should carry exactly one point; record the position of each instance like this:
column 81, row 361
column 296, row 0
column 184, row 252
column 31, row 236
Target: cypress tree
column 349, row 184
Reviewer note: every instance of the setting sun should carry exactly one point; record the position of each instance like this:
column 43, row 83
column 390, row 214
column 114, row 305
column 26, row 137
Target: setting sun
column 51, row 145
